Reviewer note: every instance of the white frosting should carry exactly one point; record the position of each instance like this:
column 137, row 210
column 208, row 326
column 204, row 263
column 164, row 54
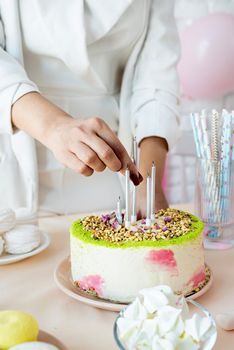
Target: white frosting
column 22, row 239
column 1, row 246
column 163, row 323
column 35, row 345
column 125, row 271
column 7, row 220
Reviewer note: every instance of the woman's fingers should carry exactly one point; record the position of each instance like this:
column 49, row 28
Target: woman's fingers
column 88, row 156
column 104, row 152
column 91, row 145
column 71, row 161
column 106, row 134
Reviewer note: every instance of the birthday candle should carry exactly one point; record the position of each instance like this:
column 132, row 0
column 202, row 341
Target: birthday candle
column 134, row 189
column 152, row 198
column 119, row 211
column 133, row 216
column 148, row 212
column 127, row 194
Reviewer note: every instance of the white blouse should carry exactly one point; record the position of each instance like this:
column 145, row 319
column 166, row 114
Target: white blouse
column 82, row 55
column 60, row 189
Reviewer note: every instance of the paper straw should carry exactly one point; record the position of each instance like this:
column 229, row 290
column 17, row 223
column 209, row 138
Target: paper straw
column 199, row 134
column 204, row 132
column 195, row 134
column 232, row 135
column 226, row 145
column 207, row 155
column 215, row 134
column 215, row 157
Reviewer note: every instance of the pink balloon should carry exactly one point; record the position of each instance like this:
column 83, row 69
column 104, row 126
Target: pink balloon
column 206, row 68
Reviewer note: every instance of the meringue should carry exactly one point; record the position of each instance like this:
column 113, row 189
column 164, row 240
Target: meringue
column 22, row 239
column 1, row 246
column 158, row 319
column 7, row 220
column 35, row 345
column 226, row 321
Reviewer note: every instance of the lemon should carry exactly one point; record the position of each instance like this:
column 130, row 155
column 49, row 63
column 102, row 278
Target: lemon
column 16, row 327
column 37, row 345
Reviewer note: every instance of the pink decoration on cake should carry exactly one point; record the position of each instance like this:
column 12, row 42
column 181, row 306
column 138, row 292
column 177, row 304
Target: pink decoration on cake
column 92, row 282
column 163, row 257
column 197, row 278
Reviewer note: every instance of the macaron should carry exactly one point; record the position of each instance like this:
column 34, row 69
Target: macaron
column 16, row 327
column 35, row 345
column 7, row 220
column 22, row 239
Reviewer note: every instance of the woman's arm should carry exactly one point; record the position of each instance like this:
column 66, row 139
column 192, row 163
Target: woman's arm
column 155, row 101
column 84, row 146
column 152, row 149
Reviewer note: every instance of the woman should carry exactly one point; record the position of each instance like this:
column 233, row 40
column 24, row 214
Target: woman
column 73, row 75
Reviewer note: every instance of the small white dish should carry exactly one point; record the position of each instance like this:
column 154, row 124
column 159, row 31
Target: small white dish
column 47, row 338
column 62, row 277
column 6, row 259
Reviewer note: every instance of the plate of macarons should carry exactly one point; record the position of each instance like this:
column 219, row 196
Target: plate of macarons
column 20, row 331
column 19, row 241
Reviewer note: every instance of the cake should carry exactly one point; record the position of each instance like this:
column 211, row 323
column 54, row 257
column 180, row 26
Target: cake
column 114, row 262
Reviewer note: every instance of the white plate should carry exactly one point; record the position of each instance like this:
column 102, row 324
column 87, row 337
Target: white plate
column 62, row 277
column 12, row 258
column 47, row 338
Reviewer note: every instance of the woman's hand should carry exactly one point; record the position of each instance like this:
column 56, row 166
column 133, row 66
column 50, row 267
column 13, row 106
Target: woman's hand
column 90, row 145
column 84, row 146
column 152, row 149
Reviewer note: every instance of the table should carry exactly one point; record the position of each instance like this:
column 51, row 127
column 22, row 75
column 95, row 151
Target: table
column 28, row 285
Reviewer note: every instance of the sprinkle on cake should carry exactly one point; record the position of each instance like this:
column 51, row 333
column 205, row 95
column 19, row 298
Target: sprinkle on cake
column 169, row 224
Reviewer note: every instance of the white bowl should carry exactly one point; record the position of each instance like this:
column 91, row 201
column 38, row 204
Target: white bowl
column 201, row 310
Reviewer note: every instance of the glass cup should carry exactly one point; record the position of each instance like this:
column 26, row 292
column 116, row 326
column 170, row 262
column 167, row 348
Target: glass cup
column 195, row 307
column 214, row 201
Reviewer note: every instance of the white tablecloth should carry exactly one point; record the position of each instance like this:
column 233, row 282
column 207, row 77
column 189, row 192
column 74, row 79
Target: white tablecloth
column 29, row 285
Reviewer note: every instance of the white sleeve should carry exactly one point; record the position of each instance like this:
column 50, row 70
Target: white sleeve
column 154, row 103
column 14, row 83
